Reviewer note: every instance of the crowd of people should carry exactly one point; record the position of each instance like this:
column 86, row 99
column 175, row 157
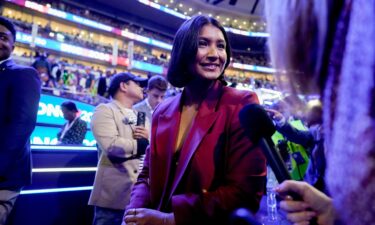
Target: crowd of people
column 89, row 84
column 75, row 38
column 145, row 54
column 259, row 61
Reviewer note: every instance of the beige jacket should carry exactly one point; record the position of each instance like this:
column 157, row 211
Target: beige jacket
column 112, row 127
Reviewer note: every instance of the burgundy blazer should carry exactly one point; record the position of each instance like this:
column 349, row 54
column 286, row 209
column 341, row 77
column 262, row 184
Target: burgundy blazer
column 219, row 169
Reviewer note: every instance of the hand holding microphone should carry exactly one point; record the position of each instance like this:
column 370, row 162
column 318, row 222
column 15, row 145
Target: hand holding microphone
column 259, row 128
column 315, row 204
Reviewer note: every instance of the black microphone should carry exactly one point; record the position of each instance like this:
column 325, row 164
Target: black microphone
column 259, row 127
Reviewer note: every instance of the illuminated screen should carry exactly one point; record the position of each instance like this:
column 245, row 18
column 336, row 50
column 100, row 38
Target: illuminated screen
column 48, row 136
column 49, row 111
column 50, row 114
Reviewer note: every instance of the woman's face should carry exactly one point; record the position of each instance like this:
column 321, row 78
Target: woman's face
column 211, row 56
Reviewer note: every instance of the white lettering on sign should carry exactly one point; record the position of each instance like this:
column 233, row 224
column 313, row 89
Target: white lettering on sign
column 36, row 140
column 86, row 116
column 43, row 141
column 89, row 143
column 49, row 110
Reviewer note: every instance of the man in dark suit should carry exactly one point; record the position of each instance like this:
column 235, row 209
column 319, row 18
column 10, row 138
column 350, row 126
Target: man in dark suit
column 19, row 98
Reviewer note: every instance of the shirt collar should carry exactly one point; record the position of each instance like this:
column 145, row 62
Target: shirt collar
column 1, row 62
column 148, row 105
column 121, row 106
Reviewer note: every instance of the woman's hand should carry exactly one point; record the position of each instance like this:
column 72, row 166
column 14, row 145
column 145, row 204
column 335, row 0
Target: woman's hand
column 143, row 216
column 140, row 132
column 314, row 204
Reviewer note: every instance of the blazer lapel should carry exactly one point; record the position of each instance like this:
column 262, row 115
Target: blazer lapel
column 204, row 120
column 166, row 136
column 115, row 104
column 5, row 65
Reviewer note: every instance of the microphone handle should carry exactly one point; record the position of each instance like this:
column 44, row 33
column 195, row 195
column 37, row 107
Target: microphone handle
column 274, row 159
column 278, row 167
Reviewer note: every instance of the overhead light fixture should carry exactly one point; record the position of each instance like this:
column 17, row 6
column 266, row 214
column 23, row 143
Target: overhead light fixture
column 190, row 9
column 228, row 18
column 181, row 5
column 210, row 15
column 200, row 13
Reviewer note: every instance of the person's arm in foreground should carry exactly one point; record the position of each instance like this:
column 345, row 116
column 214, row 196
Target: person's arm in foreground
column 313, row 204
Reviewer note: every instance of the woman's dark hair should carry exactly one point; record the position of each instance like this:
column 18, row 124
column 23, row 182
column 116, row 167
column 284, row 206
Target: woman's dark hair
column 71, row 106
column 185, row 47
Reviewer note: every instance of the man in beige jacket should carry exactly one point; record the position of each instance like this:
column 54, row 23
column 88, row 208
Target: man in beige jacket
column 121, row 144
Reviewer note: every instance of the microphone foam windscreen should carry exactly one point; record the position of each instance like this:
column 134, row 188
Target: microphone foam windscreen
column 255, row 120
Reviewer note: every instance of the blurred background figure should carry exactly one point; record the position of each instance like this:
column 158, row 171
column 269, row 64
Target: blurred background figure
column 295, row 155
column 156, row 88
column 90, row 80
column 311, row 139
column 41, row 63
column 74, row 130
column 103, row 83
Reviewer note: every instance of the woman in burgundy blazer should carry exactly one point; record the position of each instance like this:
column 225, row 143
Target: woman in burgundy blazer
column 200, row 166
